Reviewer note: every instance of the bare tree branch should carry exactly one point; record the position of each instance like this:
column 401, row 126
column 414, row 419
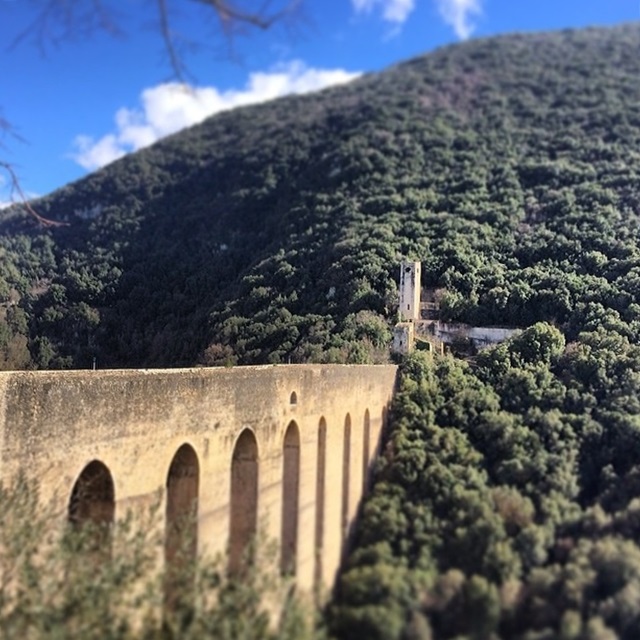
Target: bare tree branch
column 175, row 60
column 14, row 183
column 230, row 13
column 15, row 187
column 5, row 127
column 230, row 18
column 58, row 21
column 7, row 130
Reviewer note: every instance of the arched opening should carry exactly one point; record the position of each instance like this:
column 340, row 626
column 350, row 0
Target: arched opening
column 346, row 470
column 320, row 492
column 290, row 499
column 244, row 499
column 366, row 450
column 93, row 503
column 181, row 534
column 293, row 398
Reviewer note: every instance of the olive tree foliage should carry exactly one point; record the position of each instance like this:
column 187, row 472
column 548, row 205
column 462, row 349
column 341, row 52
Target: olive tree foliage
column 108, row 581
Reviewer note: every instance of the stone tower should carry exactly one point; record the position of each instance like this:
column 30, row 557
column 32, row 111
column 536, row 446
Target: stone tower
column 409, row 307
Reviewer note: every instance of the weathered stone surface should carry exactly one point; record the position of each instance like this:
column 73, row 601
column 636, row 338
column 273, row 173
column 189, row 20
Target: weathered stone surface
column 55, row 423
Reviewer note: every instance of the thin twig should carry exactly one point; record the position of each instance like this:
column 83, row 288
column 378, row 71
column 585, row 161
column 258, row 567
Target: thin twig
column 165, row 30
column 15, row 186
column 229, row 14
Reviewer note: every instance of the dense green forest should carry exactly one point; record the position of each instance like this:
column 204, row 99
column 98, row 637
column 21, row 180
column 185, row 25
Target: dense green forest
column 506, row 504
column 272, row 233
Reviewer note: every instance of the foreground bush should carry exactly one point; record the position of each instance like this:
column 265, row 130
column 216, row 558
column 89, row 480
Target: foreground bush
column 109, row 584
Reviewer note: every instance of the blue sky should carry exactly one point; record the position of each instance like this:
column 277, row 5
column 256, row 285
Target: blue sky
column 84, row 102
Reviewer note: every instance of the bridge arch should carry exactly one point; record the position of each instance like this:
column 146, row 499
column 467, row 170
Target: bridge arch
column 181, row 523
column 243, row 522
column 290, row 499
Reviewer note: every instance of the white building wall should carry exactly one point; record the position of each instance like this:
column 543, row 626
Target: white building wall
column 448, row 332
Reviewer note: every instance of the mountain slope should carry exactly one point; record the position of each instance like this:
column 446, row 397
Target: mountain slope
column 510, row 166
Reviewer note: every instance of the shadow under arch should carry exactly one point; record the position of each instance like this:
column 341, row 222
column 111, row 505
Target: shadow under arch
column 366, row 451
column 382, row 434
column 321, row 467
column 290, row 499
column 346, row 473
column 92, row 509
column 243, row 522
column 93, row 496
column 181, row 524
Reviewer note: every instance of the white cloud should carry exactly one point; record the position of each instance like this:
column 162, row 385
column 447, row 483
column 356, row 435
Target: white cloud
column 91, row 155
column 167, row 108
column 393, row 11
column 457, row 14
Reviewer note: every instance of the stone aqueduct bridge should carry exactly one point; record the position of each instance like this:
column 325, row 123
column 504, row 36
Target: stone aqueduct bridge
column 289, row 446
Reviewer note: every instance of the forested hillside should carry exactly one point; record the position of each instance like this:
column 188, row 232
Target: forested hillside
column 507, row 501
column 272, row 233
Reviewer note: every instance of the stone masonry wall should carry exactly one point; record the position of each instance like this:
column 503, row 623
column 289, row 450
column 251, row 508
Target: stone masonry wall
column 53, row 424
